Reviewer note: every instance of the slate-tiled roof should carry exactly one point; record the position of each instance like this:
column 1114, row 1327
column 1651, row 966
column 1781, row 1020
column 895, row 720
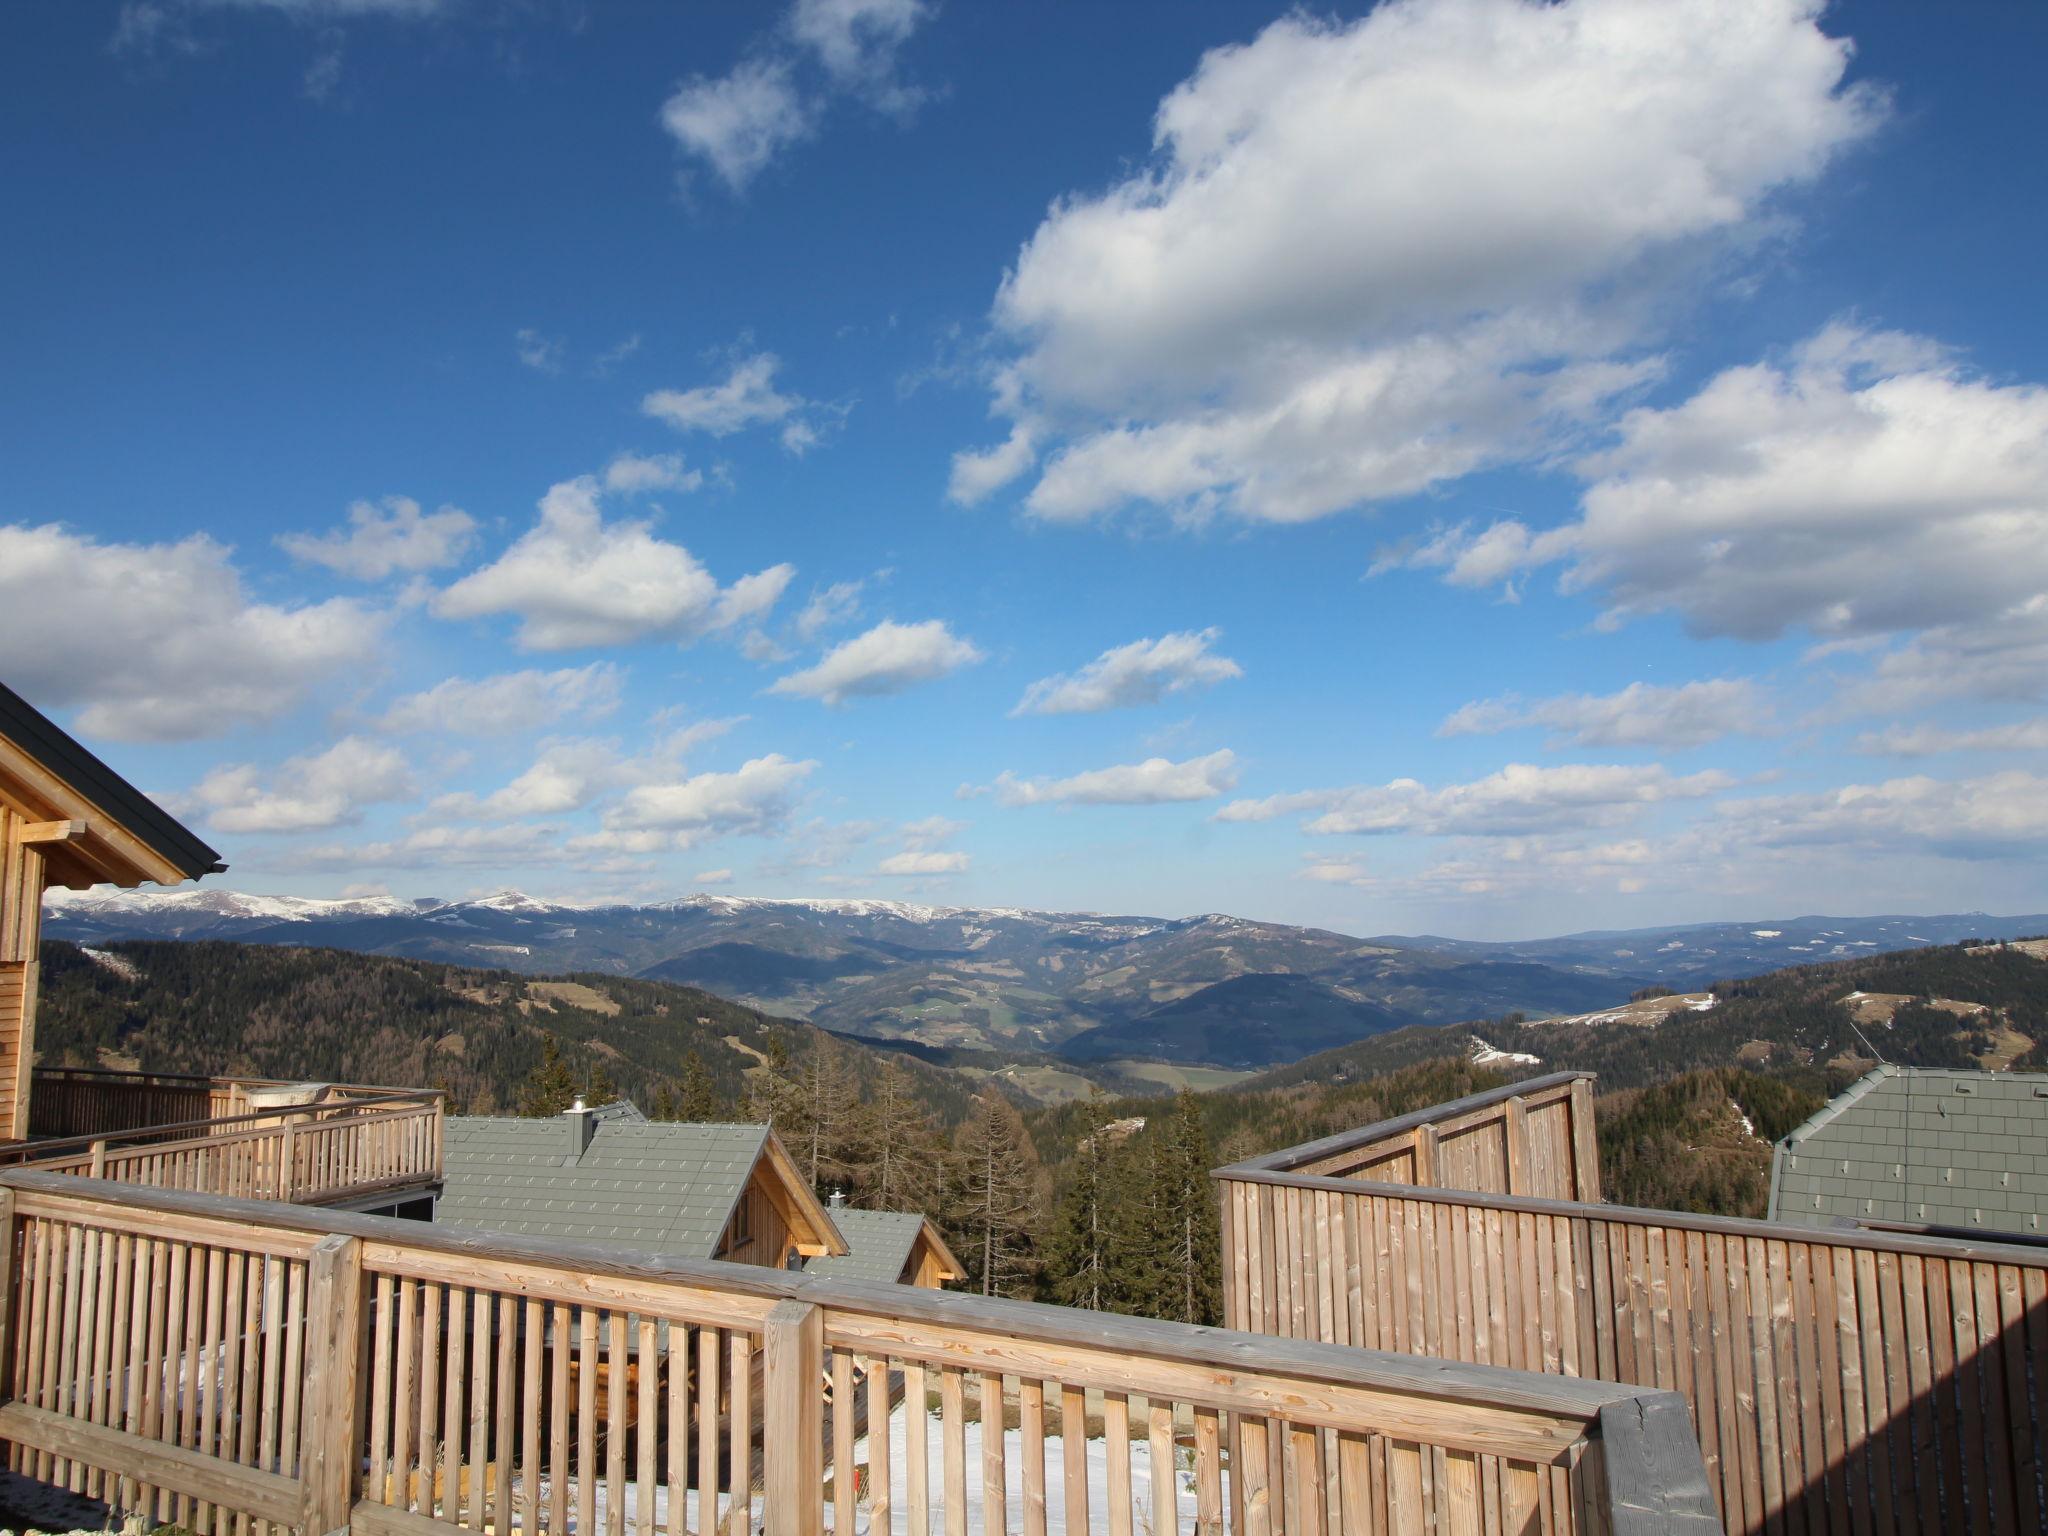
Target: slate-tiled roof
column 881, row 1242
column 1934, row 1147
column 665, row 1188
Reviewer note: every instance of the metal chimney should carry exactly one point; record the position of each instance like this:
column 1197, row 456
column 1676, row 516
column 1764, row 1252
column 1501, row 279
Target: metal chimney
column 582, row 1126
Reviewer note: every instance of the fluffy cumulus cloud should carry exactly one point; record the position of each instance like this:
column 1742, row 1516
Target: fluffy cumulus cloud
column 1519, row 800
column 159, row 642
column 756, row 798
column 1370, row 256
column 305, row 794
column 1866, row 487
column 1143, row 672
column 1155, row 781
column 507, row 704
column 745, row 397
column 1640, row 715
column 386, row 538
column 575, row 579
column 856, row 41
column 886, row 659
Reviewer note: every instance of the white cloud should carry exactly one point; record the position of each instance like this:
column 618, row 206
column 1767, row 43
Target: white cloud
column 1929, row 740
column 306, row 794
column 1156, row 781
column 739, row 122
column 1518, row 800
column 543, row 354
column 712, row 877
column 886, row 659
column 1333, row 871
column 1640, row 715
column 746, row 398
column 910, row 863
column 572, row 772
column 1371, row 256
column 509, row 703
column 152, row 27
column 384, row 538
column 829, row 607
column 979, row 473
column 576, row 580
column 1867, row 488
column 158, row 642
column 819, row 844
column 2000, row 815
column 857, row 41
column 635, row 474
column 1142, row 672
column 444, row 847
column 754, row 799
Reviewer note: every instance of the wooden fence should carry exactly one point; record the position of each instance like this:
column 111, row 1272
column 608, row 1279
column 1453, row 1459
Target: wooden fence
column 1839, row 1381
column 86, row 1101
column 309, row 1153
column 244, row 1368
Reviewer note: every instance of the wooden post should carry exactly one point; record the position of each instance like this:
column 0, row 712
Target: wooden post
column 1425, row 1155
column 99, row 1159
column 287, row 1158
column 328, row 1453
column 8, row 1281
column 1585, row 1144
column 794, row 1426
column 1518, row 1149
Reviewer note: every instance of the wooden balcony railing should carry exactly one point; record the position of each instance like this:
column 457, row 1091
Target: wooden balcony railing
column 356, row 1144
column 78, row 1102
column 1836, row 1380
column 212, row 1362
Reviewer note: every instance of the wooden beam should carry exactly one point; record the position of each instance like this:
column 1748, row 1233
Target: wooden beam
column 1656, row 1481
column 228, row 1484
column 51, row 831
column 793, row 1437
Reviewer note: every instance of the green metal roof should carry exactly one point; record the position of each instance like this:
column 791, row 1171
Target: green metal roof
column 666, row 1188
column 1922, row 1146
column 881, row 1242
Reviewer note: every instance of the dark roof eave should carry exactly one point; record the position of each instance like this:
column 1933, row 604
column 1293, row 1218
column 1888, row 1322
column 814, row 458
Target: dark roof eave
column 37, row 734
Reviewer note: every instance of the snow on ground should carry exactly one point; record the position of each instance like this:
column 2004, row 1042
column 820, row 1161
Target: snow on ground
column 120, row 965
column 1013, row 1470
column 1748, row 1126
column 1766, row 933
column 1484, row 1055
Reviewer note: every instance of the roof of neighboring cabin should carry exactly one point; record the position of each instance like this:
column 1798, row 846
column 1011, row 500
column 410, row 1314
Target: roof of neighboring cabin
column 882, row 1243
column 662, row 1187
column 1939, row 1147
column 126, row 837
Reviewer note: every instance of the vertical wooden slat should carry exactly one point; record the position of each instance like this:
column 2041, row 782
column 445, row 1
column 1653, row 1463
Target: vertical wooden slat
column 1073, row 1458
column 1165, row 1478
column 453, row 1420
column 432, row 1321
column 646, row 1428
column 917, row 1440
column 1116, row 1439
column 618, row 1345
column 561, row 1318
column 953, row 1450
column 329, row 1434
column 1031, row 1445
column 994, row 1474
column 678, row 1427
column 476, row 1499
column 707, row 1431
column 586, row 1418
column 506, row 1402
column 740, row 1390
column 530, row 1411
column 842, row 1443
column 880, row 1501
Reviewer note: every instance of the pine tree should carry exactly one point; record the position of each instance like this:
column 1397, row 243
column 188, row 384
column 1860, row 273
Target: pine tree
column 902, row 1168
column 699, row 1100
column 663, row 1105
column 1190, row 1258
column 598, row 1087
column 827, row 1140
column 1080, row 1256
column 996, row 1195
column 550, row 1086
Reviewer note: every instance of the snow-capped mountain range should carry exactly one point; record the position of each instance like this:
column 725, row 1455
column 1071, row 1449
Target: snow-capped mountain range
column 1210, row 988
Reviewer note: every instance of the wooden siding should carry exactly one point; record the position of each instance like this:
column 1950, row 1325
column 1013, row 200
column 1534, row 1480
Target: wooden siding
column 252, row 1370
column 769, row 1241
column 21, row 922
column 1838, row 1382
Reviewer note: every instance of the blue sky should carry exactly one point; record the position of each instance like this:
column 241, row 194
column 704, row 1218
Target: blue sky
column 1464, row 466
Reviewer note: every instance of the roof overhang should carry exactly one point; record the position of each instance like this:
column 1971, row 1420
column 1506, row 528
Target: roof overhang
column 800, row 1209
column 950, row 1267
column 91, row 825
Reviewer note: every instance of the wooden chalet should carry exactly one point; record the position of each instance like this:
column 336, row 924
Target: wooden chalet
column 66, row 819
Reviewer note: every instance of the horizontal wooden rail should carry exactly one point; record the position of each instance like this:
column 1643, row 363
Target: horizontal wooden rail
column 413, row 1379
column 1836, row 1379
column 347, row 1101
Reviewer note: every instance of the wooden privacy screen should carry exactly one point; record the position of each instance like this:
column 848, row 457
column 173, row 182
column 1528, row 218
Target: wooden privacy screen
column 246, row 1369
column 1838, row 1381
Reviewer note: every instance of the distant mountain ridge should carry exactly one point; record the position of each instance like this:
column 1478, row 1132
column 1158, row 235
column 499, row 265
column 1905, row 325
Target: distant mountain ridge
column 1214, row 988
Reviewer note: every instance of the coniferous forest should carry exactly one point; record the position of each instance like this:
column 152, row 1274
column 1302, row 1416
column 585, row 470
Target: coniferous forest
column 1104, row 1202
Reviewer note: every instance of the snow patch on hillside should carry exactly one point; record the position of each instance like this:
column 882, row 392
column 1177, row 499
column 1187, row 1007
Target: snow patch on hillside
column 120, row 965
column 1484, row 1055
